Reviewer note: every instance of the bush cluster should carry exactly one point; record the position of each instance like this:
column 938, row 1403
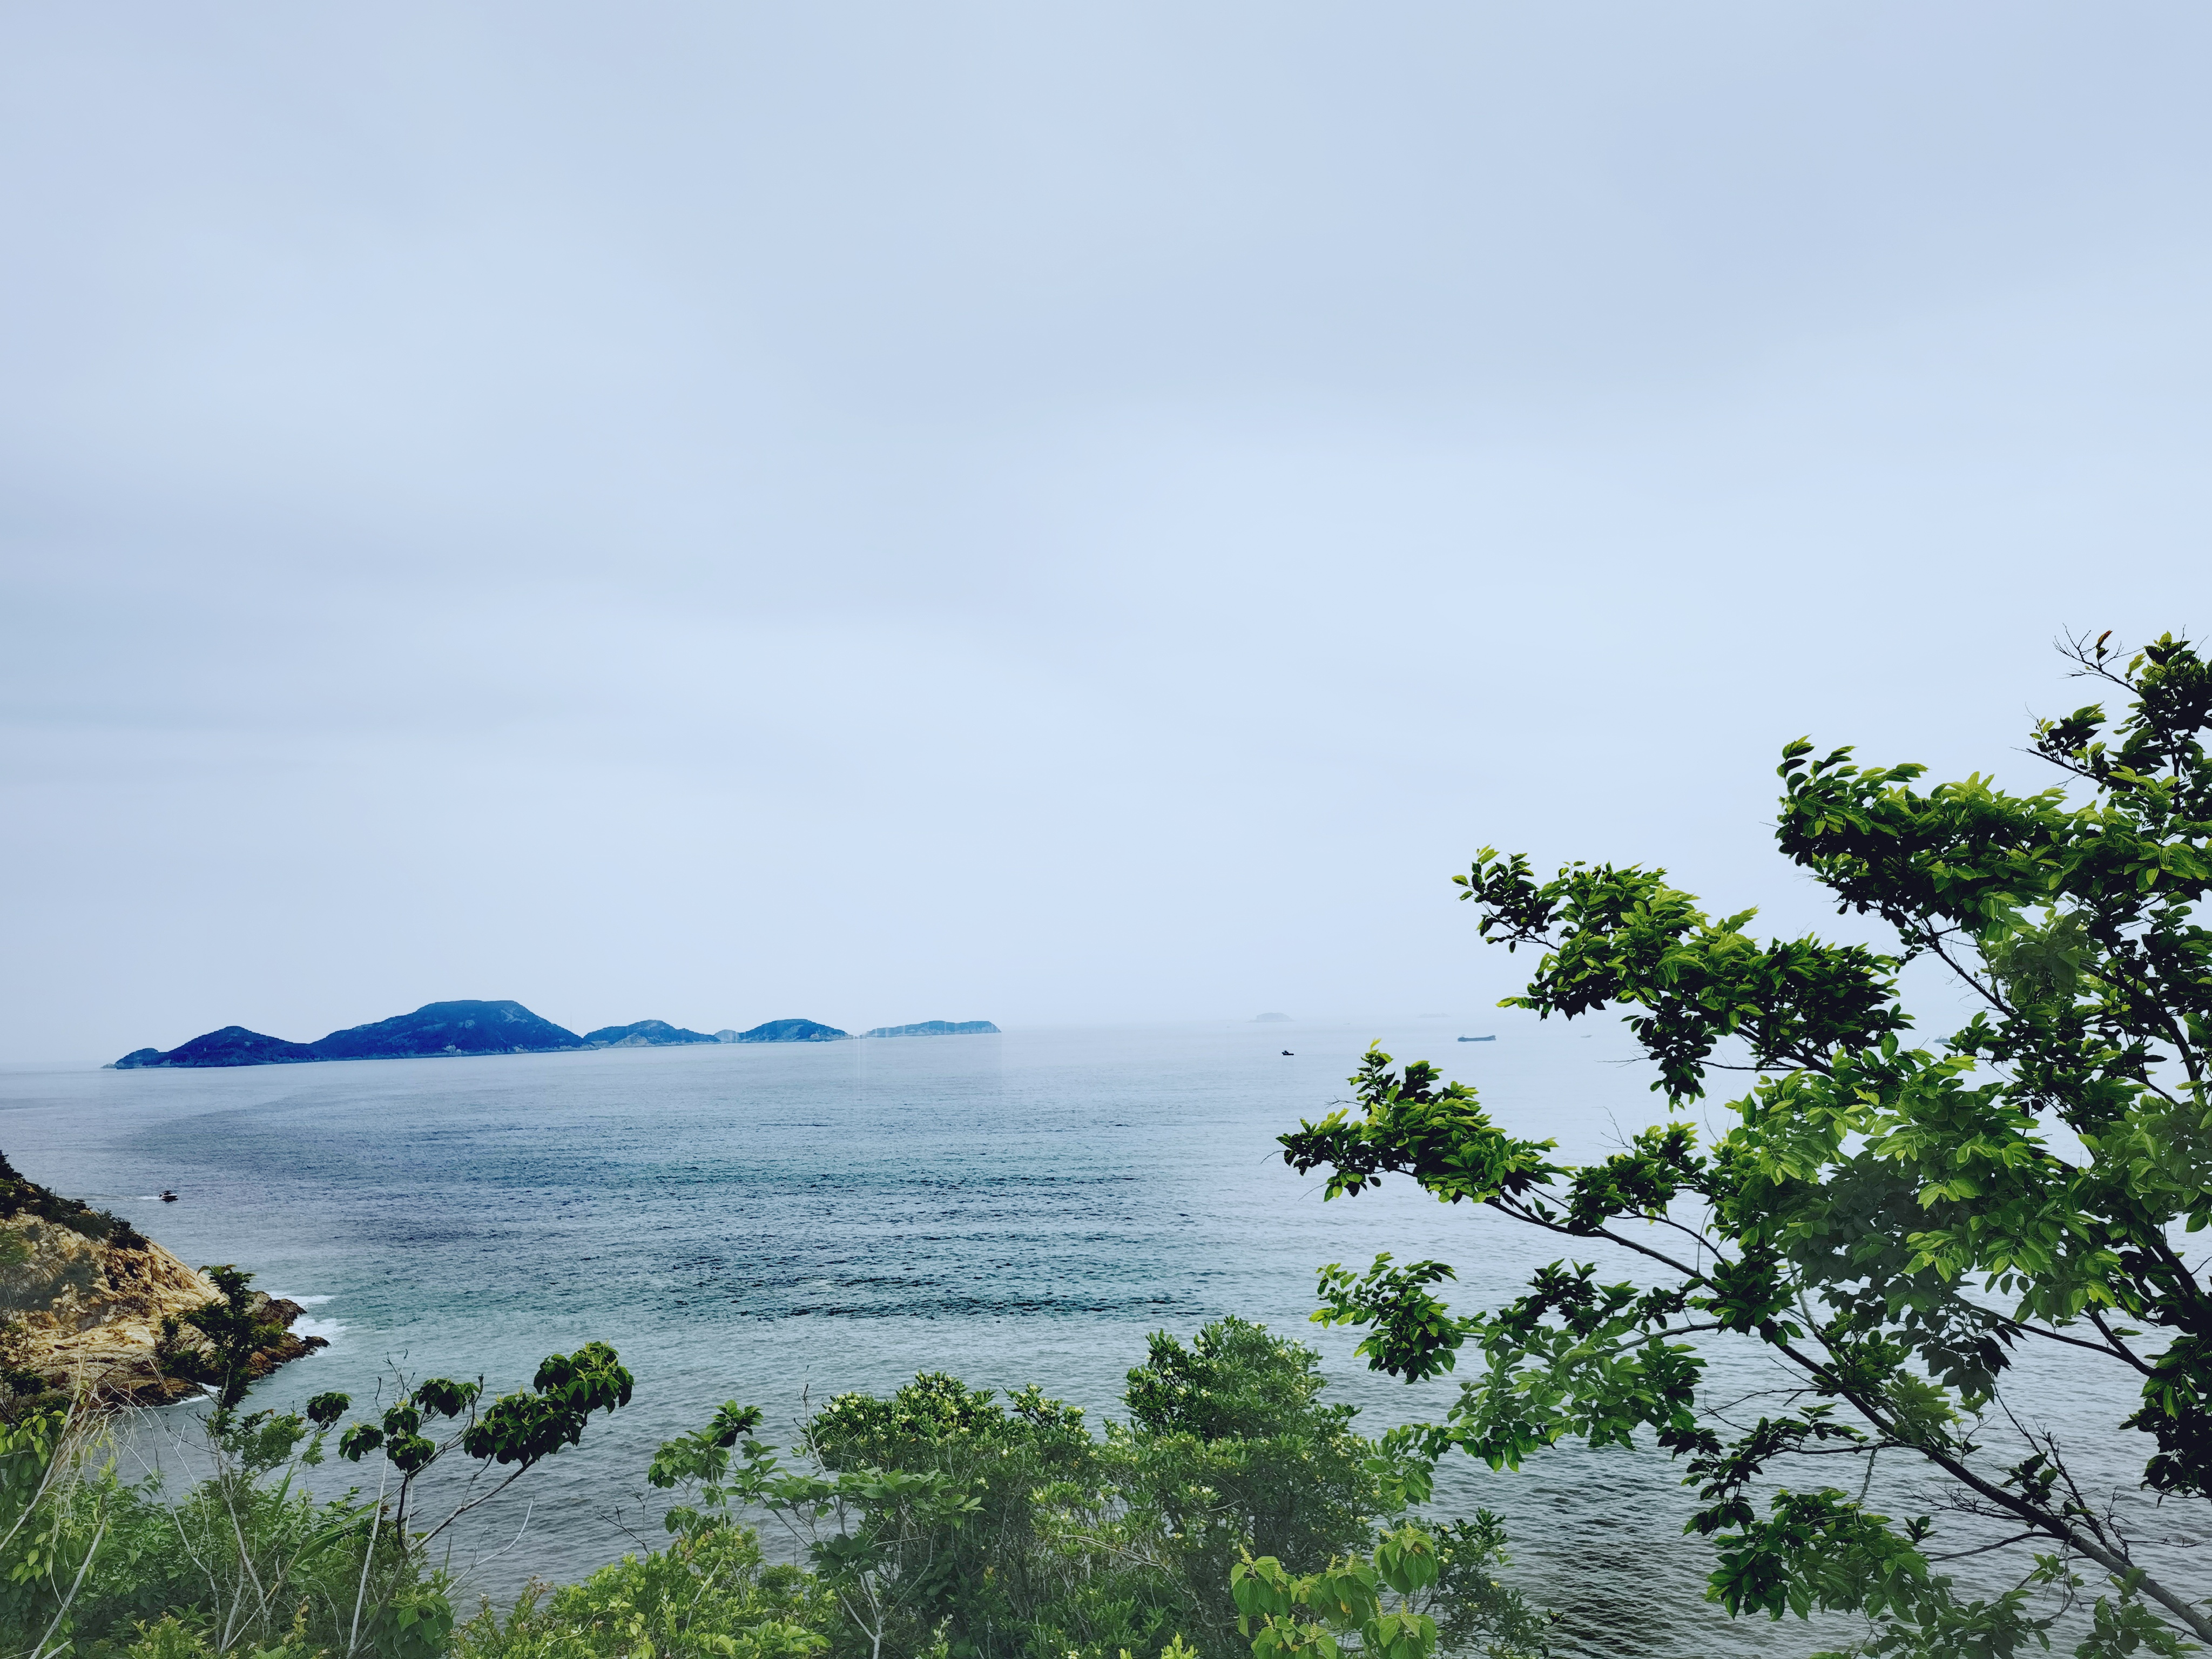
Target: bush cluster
column 19, row 1196
column 1235, row 1511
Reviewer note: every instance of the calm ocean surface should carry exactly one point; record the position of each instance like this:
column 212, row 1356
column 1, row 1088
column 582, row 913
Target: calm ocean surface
column 753, row 1222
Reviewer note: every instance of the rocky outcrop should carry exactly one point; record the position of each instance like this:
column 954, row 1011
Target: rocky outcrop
column 85, row 1315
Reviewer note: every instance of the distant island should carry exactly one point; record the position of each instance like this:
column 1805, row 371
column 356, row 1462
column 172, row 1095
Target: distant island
column 938, row 1028
column 491, row 1028
column 645, row 1034
column 435, row 1028
column 791, row 1030
column 1271, row 1020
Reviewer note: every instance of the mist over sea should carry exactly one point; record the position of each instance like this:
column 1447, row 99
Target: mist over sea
column 757, row 1222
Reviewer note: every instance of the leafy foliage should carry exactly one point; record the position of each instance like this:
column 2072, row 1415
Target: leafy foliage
column 521, row 1429
column 19, row 1196
column 233, row 1331
column 246, row 1559
column 1889, row 1222
column 1000, row 1561
column 940, row 1519
column 708, row 1595
column 1229, row 1453
column 51, row 1529
column 1288, row 1614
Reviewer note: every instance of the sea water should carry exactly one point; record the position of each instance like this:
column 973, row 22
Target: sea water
column 775, row 1223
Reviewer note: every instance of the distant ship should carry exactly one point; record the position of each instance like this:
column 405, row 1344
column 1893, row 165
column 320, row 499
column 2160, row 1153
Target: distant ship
column 1481, row 1039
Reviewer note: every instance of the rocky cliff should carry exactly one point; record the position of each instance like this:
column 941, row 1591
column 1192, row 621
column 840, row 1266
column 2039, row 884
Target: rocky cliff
column 82, row 1298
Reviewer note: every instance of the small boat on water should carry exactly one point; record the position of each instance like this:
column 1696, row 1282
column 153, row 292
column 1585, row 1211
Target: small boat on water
column 167, row 1197
column 1492, row 1038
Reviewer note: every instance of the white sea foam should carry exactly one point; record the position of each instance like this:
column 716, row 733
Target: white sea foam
column 307, row 1301
column 328, row 1329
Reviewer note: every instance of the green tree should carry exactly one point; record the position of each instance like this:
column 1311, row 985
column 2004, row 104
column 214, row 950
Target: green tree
column 517, row 1431
column 882, row 1543
column 1383, row 1601
column 942, row 1520
column 708, row 1595
column 247, row 1558
column 52, row 1524
column 1231, row 1454
column 1018, row 1560
column 1891, row 1221
column 231, row 1331
column 1230, row 1448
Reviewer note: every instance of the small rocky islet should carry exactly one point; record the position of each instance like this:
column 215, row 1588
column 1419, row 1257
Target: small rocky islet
column 457, row 1029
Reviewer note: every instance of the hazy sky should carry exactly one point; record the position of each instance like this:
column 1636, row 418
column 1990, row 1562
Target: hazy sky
column 1043, row 512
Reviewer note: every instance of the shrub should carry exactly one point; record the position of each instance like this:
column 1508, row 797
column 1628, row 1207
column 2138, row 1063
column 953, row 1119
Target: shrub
column 708, row 1595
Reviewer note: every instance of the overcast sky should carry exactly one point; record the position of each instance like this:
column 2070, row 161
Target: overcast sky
column 1052, row 514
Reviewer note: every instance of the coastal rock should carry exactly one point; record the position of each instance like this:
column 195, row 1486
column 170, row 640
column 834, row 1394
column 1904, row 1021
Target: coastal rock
column 792, row 1030
column 646, row 1033
column 938, row 1028
column 86, row 1316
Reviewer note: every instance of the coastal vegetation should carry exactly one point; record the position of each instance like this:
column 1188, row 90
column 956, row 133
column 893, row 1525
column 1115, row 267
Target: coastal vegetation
column 1893, row 1223
column 1234, row 1512
column 21, row 1197
column 245, row 1559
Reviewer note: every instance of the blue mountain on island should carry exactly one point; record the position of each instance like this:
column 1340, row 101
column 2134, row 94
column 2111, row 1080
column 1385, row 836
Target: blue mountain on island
column 435, row 1028
column 645, row 1034
column 938, row 1028
column 489, row 1028
column 233, row 1045
column 792, row 1030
